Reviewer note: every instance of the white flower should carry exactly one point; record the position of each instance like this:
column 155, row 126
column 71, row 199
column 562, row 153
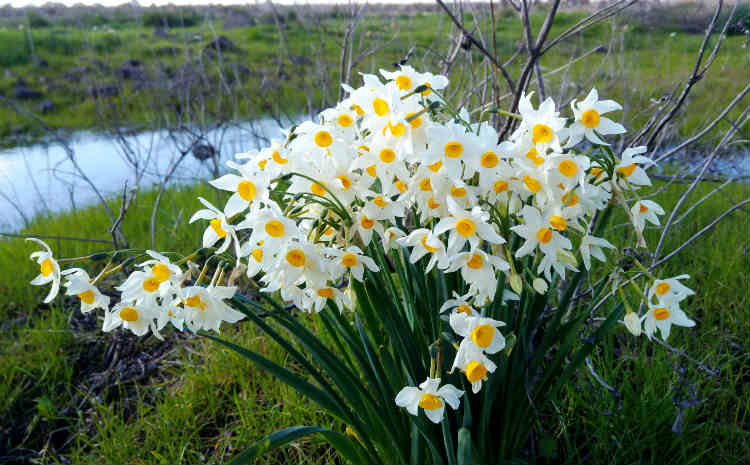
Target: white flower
column 143, row 285
column 569, row 170
column 258, row 258
column 270, row 228
column 407, row 79
column 247, row 188
column 353, row 259
column 662, row 316
column 481, row 332
column 429, row 398
column 163, row 269
column 543, row 127
column 460, row 304
column 79, row 284
column 138, row 318
column 466, row 226
column 478, row 269
column 646, row 210
column 170, row 312
column 365, row 225
column 319, row 297
column 391, row 236
column 471, row 360
column 539, row 232
column 49, row 270
column 423, row 242
column 450, row 144
column 592, row 246
column 299, row 261
column 629, row 167
column 205, row 307
column 218, row 229
column 589, row 122
column 670, row 289
column 561, row 260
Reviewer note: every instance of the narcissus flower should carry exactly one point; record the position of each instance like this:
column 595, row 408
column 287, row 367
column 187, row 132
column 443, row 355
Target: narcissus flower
column 543, row 128
column 646, row 210
column 479, row 270
column 480, row 331
column 218, row 228
column 424, row 242
column 670, row 289
column 205, row 307
column 592, row 247
column 466, row 226
column 629, row 170
column 460, row 304
column 472, row 361
column 589, row 121
column 49, row 270
column 662, row 316
column 430, row 397
column 79, row 284
column 540, row 232
column 354, row 260
column 247, row 188
column 138, row 318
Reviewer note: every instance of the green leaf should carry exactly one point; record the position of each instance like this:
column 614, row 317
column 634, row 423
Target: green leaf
column 464, row 454
column 282, row 374
column 274, row 441
column 343, row 445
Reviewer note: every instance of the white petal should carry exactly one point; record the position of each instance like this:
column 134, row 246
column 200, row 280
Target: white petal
column 605, row 106
column 451, row 395
column 203, row 214
column 228, row 182
column 235, row 205
column 607, row 126
column 436, row 415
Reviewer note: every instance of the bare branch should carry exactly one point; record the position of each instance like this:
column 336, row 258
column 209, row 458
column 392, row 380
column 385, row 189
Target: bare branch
column 480, row 47
column 65, row 238
column 695, row 76
column 705, row 130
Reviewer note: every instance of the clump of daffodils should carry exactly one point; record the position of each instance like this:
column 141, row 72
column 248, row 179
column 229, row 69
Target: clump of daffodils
column 393, row 166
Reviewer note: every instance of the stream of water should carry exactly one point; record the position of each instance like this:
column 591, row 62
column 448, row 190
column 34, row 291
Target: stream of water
column 40, row 178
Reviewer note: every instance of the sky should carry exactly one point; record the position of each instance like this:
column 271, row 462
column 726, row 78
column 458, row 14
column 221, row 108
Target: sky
column 22, row 3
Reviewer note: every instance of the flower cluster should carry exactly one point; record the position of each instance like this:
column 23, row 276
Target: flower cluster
column 393, row 166
column 152, row 296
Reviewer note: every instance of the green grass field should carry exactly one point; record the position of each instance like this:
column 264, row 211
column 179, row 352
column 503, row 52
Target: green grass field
column 206, row 403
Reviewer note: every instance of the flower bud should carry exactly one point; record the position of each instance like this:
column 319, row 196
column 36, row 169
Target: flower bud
column 514, row 204
column 633, row 323
column 540, row 286
column 516, row 283
column 238, row 271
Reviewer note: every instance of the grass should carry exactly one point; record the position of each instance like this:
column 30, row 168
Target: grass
column 208, row 403
column 644, row 64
